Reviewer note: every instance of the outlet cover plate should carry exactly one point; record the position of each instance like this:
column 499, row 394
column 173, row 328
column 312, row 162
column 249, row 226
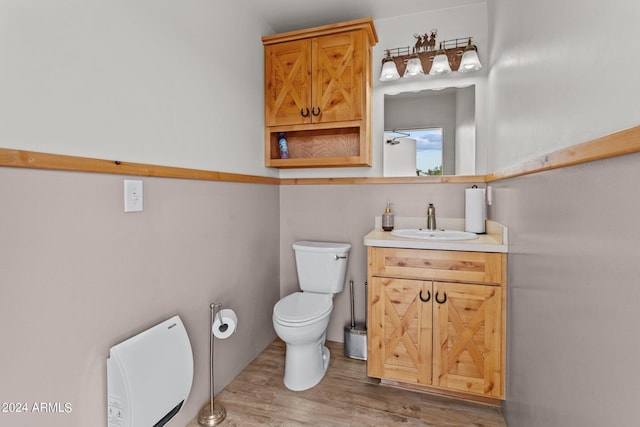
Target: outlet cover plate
column 133, row 197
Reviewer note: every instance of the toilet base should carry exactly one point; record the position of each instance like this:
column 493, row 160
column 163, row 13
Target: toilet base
column 305, row 365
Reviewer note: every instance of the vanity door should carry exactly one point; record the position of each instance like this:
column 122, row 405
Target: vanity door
column 400, row 334
column 467, row 338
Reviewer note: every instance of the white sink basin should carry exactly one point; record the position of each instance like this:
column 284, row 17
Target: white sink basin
column 424, row 234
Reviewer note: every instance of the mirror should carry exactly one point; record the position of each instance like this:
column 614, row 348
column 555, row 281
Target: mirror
column 430, row 132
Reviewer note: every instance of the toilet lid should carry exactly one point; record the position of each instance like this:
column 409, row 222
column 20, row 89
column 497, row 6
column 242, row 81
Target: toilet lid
column 302, row 306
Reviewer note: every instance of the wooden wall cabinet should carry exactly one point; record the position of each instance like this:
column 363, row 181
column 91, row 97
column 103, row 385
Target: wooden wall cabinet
column 318, row 91
column 437, row 321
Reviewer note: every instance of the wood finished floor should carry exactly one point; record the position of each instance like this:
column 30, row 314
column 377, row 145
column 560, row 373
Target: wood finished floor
column 345, row 397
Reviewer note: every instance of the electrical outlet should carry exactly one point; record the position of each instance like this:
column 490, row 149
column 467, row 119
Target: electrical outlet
column 133, row 196
column 489, row 195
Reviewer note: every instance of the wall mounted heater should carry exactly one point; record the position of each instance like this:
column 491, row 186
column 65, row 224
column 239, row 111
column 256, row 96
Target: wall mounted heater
column 149, row 376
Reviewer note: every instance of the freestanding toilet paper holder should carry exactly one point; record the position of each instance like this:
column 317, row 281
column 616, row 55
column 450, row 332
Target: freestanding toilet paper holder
column 212, row 414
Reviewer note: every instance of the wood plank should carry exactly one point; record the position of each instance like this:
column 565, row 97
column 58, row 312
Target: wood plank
column 455, row 266
column 345, row 397
column 476, row 179
column 36, row 160
column 365, row 24
column 616, row 144
column 323, row 143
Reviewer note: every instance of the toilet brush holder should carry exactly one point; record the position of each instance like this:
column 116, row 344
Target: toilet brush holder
column 355, row 341
column 355, row 334
column 212, row 413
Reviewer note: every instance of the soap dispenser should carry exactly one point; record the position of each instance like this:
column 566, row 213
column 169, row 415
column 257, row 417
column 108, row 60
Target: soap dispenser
column 387, row 219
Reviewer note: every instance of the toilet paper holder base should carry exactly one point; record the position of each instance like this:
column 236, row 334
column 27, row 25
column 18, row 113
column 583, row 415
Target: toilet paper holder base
column 211, row 414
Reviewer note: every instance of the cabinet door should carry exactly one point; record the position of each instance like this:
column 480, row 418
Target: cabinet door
column 400, row 335
column 287, row 76
column 338, row 77
column 467, row 338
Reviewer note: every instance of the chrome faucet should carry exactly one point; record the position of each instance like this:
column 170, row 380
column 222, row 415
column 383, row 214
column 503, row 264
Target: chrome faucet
column 431, row 217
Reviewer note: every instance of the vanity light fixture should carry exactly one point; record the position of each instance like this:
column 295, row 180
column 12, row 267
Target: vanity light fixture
column 452, row 55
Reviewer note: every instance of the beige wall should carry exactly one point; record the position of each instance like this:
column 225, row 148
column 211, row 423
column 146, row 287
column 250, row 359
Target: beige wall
column 573, row 264
column 573, row 298
column 345, row 213
column 77, row 276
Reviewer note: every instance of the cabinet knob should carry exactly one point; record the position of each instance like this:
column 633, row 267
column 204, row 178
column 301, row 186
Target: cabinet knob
column 428, row 296
column 313, row 111
column 305, row 112
column 438, row 300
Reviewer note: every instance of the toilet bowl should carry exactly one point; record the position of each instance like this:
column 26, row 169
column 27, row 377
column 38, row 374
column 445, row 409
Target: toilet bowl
column 301, row 318
column 306, row 357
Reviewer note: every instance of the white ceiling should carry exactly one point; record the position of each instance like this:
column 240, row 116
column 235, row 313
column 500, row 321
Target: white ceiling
column 288, row 15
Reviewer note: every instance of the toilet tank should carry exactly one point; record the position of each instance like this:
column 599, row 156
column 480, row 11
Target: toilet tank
column 321, row 266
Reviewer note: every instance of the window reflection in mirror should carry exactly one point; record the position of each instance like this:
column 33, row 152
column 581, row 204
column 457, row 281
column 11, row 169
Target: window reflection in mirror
column 420, row 154
column 452, row 110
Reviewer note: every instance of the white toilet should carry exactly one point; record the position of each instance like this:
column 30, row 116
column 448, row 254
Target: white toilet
column 301, row 319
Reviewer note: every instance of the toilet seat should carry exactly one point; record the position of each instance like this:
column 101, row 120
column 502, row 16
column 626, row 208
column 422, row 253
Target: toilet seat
column 301, row 308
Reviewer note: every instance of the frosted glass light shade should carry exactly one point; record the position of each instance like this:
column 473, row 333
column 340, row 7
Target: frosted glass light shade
column 440, row 64
column 414, row 67
column 470, row 61
column 389, row 71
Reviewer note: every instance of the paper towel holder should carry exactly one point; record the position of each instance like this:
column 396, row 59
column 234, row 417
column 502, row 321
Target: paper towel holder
column 212, row 414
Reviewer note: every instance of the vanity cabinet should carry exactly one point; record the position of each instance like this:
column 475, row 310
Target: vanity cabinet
column 437, row 321
column 318, row 92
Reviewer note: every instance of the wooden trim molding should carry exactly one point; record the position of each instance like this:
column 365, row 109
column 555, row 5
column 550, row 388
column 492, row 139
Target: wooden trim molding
column 365, row 24
column 616, row 144
column 35, row 160
column 385, row 180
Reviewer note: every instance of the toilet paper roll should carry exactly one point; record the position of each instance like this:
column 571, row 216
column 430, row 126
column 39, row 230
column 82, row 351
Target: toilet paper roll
column 225, row 317
column 475, row 210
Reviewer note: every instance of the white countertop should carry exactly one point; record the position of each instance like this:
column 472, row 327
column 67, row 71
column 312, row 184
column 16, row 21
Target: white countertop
column 494, row 240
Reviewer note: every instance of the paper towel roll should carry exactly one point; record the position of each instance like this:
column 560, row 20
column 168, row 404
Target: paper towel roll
column 225, row 317
column 475, row 210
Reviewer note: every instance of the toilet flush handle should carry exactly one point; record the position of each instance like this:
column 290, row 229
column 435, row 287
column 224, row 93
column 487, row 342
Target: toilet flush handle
column 340, row 257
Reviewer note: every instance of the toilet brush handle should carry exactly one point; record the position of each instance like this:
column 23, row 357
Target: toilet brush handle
column 353, row 310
